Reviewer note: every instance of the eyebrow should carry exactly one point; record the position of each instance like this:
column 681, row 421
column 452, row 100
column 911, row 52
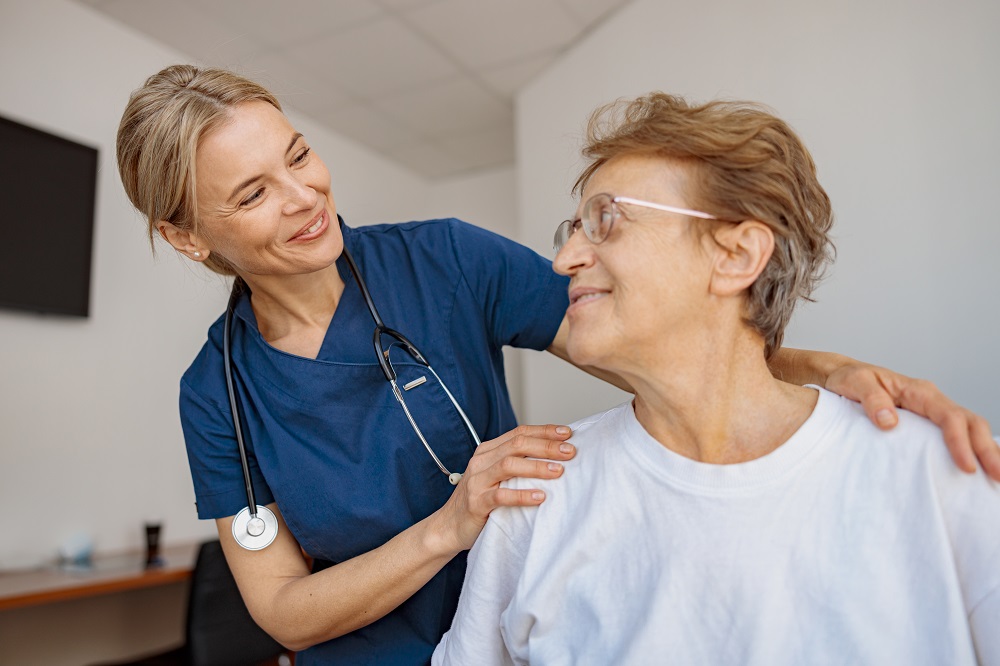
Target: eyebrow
column 253, row 179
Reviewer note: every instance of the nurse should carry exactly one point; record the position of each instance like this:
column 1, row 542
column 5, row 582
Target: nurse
column 369, row 556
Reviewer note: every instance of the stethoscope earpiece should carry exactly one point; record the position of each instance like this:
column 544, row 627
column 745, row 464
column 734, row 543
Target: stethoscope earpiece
column 255, row 532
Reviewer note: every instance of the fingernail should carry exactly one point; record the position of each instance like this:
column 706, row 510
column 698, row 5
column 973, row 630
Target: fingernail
column 538, row 496
column 885, row 417
column 566, row 448
column 554, row 467
column 562, row 430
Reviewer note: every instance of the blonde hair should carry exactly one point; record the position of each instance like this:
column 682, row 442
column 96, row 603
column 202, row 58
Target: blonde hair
column 745, row 163
column 158, row 141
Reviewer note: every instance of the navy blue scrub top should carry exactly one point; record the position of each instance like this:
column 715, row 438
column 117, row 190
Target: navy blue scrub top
column 327, row 440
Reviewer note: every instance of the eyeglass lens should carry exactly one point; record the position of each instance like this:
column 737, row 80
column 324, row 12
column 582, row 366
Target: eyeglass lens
column 597, row 218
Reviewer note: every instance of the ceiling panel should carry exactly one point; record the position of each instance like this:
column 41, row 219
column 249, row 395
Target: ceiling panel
column 284, row 24
column 404, row 4
column 590, row 11
column 428, row 159
column 185, row 28
column 487, row 148
column 509, row 78
column 458, row 104
column 375, row 59
column 479, row 34
column 428, row 83
column 295, row 84
column 371, row 127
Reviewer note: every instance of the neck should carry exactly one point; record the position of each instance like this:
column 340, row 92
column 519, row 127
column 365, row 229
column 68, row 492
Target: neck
column 716, row 401
column 290, row 303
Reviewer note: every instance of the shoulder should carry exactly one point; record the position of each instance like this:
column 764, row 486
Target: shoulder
column 594, row 437
column 915, row 439
column 913, row 452
column 599, row 425
column 422, row 244
column 466, row 240
column 597, row 438
column 204, row 379
column 429, row 232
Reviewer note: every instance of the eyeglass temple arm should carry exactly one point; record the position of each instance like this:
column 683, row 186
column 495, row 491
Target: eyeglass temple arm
column 666, row 208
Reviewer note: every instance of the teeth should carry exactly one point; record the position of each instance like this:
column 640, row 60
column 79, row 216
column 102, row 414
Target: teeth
column 315, row 226
column 587, row 297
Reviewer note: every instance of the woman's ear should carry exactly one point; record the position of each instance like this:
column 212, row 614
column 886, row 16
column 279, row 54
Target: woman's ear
column 742, row 252
column 182, row 240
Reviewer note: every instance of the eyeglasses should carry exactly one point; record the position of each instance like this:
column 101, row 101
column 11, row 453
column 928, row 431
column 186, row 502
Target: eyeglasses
column 600, row 212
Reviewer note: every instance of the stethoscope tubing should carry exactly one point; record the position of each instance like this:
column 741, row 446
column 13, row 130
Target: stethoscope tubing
column 254, row 533
column 228, row 358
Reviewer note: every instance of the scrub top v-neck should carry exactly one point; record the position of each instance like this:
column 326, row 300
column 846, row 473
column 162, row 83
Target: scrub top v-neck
column 327, row 440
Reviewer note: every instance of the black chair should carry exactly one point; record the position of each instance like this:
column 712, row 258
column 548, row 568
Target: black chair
column 219, row 630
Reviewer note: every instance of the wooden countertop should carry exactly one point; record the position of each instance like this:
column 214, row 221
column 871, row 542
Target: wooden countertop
column 108, row 574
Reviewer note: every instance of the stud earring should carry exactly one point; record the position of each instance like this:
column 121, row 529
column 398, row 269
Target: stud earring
column 197, row 254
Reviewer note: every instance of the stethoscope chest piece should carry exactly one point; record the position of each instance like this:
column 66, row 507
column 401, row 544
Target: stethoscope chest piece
column 255, row 532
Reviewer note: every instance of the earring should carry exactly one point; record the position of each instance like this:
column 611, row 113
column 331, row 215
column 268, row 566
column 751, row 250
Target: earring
column 197, row 254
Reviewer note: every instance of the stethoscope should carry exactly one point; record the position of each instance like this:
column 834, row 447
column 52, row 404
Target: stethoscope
column 256, row 526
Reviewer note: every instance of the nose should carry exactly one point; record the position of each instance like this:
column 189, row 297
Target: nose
column 299, row 195
column 575, row 255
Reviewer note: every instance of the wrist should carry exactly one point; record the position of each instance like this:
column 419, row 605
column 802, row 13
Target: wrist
column 801, row 366
column 820, row 365
column 438, row 536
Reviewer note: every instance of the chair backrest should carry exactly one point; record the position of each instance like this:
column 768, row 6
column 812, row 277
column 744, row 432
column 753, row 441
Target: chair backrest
column 220, row 630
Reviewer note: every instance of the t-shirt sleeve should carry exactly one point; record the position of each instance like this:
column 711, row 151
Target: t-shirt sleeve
column 985, row 621
column 523, row 299
column 494, row 567
column 214, row 458
column 970, row 505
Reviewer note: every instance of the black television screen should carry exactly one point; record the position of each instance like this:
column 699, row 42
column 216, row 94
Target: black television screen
column 47, row 194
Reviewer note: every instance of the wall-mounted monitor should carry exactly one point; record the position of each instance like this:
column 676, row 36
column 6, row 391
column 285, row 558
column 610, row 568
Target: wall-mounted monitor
column 47, row 196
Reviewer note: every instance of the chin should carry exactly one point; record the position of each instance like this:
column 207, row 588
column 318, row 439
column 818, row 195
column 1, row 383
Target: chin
column 585, row 350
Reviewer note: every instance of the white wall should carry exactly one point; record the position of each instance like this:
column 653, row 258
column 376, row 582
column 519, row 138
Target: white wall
column 899, row 103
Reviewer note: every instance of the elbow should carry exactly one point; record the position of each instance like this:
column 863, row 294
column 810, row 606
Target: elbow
column 294, row 646
column 290, row 634
column 297, row 625
column 288, row 638
column 296, row 637
column 285, row 631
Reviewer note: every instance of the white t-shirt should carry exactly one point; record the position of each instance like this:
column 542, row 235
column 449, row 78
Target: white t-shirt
column 845, row 545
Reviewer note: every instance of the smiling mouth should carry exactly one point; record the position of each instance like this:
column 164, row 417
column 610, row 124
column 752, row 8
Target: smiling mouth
column 587, row 297
column 313, row 228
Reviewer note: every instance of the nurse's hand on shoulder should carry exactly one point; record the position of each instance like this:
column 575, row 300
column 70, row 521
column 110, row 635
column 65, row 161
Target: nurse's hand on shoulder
column 508, row 456
column 881, row 390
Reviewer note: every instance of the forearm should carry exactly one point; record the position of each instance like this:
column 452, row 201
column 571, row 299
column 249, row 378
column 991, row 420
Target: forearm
column 800, row 366
column 300, row 609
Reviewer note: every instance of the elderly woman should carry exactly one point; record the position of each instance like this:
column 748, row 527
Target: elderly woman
column 723, row 516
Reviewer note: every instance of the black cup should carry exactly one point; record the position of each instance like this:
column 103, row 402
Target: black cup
column 153, row 545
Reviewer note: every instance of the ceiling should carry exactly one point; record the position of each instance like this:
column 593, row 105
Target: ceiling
column 427, row 83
